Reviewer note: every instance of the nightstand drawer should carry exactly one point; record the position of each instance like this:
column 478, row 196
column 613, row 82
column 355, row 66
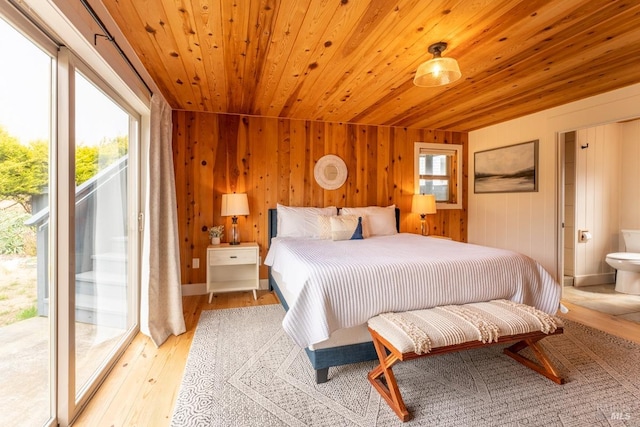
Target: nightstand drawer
column 233, row 256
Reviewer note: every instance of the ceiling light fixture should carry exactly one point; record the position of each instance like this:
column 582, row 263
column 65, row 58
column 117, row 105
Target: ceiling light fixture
column 437, row 71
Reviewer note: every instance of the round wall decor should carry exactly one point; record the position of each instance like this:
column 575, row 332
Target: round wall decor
column 330, row 172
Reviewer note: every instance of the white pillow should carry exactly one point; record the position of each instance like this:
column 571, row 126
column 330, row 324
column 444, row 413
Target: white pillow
column 301, row 221
column 376, row 220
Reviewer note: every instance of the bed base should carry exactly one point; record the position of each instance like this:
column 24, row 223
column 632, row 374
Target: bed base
column 322, row 359
column 384, row 381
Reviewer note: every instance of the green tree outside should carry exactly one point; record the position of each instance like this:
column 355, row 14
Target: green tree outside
column 24, row 168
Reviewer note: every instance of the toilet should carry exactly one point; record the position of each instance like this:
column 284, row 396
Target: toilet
column 627, row 263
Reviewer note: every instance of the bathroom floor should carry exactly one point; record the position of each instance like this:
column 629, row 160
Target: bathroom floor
column 605, row 299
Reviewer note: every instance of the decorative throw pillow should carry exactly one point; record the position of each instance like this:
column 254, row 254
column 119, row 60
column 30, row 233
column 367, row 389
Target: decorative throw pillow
column 379, row 221
column 346, row 227
column 324, row 225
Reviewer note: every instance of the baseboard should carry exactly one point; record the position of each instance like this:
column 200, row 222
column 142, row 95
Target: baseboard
column 594, row 279
column 190, row 289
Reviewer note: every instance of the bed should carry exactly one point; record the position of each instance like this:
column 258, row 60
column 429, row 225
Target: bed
column 331, row 288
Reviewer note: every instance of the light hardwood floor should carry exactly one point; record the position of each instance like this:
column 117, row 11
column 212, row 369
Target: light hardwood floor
column 142, row 388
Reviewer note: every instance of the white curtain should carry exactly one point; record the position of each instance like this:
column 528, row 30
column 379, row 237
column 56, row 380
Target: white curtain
column 161, row 296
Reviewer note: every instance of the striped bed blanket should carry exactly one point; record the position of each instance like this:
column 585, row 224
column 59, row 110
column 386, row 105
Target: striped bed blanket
column 340, row 284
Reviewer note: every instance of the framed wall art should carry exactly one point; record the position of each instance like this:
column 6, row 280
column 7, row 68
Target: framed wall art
column 510, row 169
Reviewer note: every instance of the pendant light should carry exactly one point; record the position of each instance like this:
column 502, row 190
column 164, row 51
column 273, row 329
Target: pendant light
column 437, row 71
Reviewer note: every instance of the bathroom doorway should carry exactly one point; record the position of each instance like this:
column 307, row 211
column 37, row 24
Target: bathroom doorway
column 599, row 167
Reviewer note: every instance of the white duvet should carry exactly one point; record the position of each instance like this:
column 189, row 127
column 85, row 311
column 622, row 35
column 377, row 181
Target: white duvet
column 344, row 283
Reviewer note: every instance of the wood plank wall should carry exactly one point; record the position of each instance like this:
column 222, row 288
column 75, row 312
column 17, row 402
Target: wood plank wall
column 272, row 160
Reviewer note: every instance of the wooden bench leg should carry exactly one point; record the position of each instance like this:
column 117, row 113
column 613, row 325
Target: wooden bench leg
column 383, row 379
column 544, row 368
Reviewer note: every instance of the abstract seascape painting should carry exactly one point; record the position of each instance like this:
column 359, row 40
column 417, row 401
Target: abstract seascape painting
column 510, row 169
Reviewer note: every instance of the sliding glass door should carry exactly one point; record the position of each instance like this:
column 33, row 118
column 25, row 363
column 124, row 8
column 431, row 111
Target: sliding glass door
column 103, row 288
column 26, row 301
column 68, row 227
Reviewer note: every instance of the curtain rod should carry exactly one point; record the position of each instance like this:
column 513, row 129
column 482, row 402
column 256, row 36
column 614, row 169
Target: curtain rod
column 107, row 35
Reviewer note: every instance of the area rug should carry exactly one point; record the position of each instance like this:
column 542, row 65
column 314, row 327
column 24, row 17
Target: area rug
column 243, row 370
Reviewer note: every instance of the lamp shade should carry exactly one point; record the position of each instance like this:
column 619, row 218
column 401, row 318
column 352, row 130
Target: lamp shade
column 437, row 72
column 235, row 204
column 423, row 204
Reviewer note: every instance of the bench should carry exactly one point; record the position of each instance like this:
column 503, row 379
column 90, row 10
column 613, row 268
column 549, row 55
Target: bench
column 421, row 333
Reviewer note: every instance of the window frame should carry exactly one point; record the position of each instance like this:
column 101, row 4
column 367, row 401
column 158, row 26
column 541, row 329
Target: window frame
column 453, row 176
column 66, row 400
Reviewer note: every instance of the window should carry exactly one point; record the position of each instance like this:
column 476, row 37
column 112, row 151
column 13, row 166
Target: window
column 69, row 198
column 438, row 171
column 26, row 310
column 102, row 217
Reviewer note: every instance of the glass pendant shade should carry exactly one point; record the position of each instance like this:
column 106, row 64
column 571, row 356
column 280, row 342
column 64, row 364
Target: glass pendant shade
column 437, row 72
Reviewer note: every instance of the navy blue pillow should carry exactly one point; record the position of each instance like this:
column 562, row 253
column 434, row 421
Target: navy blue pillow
column 357, row 234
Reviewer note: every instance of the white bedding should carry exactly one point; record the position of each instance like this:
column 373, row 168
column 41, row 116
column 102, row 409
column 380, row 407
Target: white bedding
column 340, row 284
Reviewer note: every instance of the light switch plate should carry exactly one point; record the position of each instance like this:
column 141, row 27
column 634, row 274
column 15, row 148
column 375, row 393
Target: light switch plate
column 195, row 263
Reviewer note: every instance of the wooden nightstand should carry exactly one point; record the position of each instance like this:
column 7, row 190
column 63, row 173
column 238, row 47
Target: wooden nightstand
column 233, row 268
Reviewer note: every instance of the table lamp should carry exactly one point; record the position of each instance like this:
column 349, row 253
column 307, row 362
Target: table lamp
column 423, row 204
column 235, row 204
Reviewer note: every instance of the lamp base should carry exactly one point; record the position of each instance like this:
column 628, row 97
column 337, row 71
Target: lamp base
column 235, row 233
column 423, row 225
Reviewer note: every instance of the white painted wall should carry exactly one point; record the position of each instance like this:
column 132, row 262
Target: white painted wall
column 630, row 166
column 597, row 205
column 528, row 222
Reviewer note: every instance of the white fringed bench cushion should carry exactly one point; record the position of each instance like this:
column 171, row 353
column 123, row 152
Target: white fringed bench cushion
column 420, row 331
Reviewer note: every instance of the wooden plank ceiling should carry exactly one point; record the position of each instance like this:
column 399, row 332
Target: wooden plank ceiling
column 354, row 60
